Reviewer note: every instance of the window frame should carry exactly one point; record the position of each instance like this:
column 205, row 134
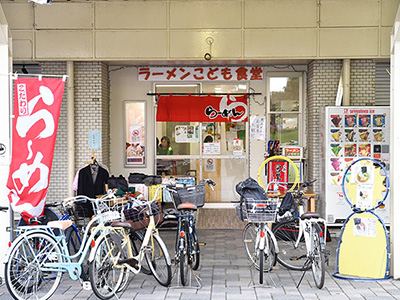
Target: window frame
column 126, row 130
column 300, row 113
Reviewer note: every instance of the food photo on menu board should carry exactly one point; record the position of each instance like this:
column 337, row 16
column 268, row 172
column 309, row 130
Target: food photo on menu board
column 349, row 134
column 350, row 150
column 364, row 120
column 336, row 120
column 364, row 150
column 378, row 135
column 336, row 149
column 350, row 120
column 335, row 134
column 364, row 135
column 336, row 164
column 379, row 120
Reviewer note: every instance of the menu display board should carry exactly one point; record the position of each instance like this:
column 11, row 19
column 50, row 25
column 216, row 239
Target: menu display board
column 350, row 133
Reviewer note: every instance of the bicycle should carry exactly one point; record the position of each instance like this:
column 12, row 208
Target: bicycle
column 302, row 241
column 143, row 214
column 73, row 233
column 259, row 241
column 187, row 200
column 38, row 257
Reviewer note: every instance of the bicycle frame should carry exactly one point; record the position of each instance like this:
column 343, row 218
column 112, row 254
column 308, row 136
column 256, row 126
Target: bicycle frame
column 305, row 227
column 148, row 238
column 262, row 242
column 179, row 241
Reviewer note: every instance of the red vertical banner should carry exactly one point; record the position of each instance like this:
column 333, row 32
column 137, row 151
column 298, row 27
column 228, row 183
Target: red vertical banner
column 37, row 103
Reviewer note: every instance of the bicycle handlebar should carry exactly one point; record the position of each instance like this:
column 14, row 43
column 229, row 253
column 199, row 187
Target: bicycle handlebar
column 304, row 185
column 40, row 220
column 3, row 208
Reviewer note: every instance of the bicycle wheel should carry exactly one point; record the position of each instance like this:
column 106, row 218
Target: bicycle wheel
column 73, row 239
column 249, row 240
column 318, row 256
column 289, row 255
column 159, row 260
column 195, row 250
column 25, row 272
column 270, row 255
column 105, row 277
column 184, row 254
column 261, row 269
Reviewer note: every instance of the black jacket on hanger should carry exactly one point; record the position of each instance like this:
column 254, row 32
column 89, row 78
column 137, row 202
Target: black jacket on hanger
column 87, row 187
column 90, row 188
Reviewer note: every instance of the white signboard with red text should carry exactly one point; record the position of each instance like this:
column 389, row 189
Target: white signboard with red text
column 350, row 133
column 221, row 73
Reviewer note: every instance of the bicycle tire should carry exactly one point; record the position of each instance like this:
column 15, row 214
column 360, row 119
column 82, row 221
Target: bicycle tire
column 184, row 254
column 318, row 256
column 286, row 235
column 159, row 260
column 105, row 278
column 136, row 242
column 261, row 269
column 270, row 255
column 249, row 242
column 195, row 250
column 23, row 276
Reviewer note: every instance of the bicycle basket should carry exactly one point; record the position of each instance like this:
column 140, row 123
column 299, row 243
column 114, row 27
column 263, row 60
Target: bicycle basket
column 79, row 212
column 109, row 207
column 139, row 215
column 261, row 211
column 192, row 194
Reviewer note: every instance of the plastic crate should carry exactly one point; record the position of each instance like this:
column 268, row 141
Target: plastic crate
column 152, row 192
column 192, row 194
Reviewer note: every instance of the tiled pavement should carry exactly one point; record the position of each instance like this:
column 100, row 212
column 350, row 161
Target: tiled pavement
column 226, row 274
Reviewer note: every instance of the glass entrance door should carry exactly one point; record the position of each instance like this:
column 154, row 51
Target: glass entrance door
column 215, row 150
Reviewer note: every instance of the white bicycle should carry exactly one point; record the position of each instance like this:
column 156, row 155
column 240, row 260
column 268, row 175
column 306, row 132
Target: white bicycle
column 302, row 241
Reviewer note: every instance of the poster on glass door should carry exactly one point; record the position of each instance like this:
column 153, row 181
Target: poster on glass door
column 186, row 134
column 351, row 133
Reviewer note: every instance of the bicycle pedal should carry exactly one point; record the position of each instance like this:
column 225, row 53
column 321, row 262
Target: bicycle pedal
column 129, row 261
column 202, row 244
column 147, row 249
column 86, row 286
column 275, row 268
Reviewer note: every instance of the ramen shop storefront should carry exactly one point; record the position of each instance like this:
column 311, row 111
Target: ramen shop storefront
column 202, row 129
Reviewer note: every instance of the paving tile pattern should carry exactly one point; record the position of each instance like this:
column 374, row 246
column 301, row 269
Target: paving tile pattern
column 226, row 274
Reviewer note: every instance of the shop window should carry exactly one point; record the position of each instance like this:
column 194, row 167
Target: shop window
column 284, row 108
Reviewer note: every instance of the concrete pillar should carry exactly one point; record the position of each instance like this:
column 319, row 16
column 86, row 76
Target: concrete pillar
column 346, row 82
column 71, row 126
column 394, row 148
column 5, row 140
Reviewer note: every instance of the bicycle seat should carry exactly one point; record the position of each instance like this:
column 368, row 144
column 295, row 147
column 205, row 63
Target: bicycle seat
column 187, row 205
column 60, row 224
column 310, row 215
column 131, row 225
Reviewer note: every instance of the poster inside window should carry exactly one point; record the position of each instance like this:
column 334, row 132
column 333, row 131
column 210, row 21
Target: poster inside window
column 135, row 133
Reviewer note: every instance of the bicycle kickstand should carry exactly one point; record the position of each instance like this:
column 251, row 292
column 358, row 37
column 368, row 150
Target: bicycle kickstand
column 304, row 273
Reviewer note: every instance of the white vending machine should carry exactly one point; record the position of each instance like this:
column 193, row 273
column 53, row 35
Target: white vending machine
column 349, row 133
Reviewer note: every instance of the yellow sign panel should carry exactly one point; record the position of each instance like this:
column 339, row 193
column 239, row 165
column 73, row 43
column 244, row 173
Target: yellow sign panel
column 363, row 247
